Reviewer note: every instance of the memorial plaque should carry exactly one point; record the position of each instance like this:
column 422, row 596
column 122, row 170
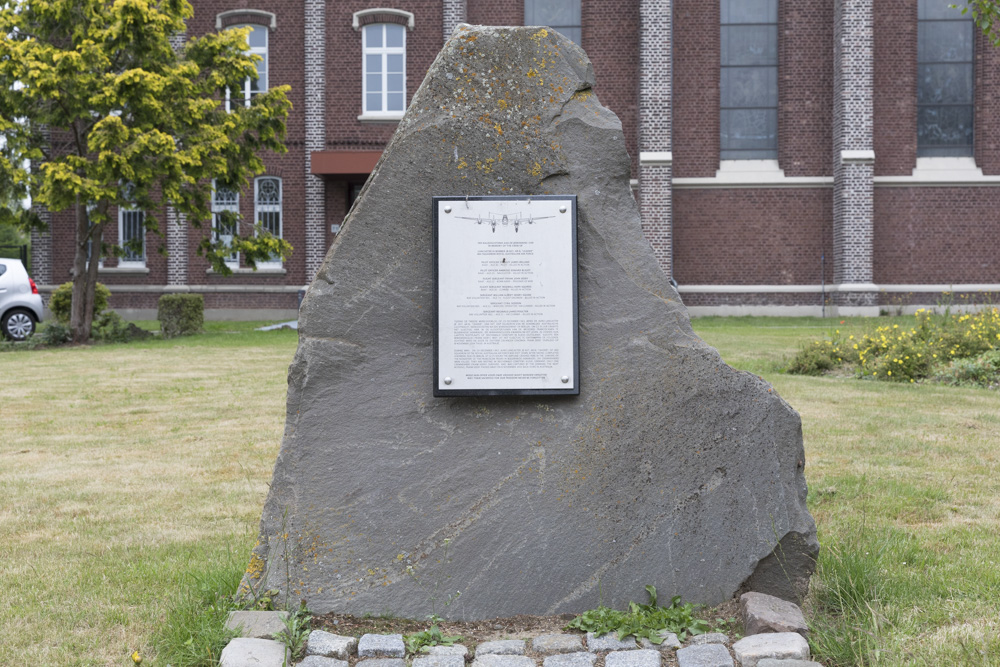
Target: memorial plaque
column 506, row 296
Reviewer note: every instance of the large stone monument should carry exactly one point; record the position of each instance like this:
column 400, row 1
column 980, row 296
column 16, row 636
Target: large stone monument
column 669, row 468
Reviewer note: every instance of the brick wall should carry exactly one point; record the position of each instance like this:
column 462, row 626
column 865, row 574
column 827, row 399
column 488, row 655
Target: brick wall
column 495, row 12
column 696, row 88
column 987, row 99
column 937, row 235
column 752, row 236
column 895, row 100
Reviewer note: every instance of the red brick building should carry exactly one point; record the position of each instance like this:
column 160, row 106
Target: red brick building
column 787, row 154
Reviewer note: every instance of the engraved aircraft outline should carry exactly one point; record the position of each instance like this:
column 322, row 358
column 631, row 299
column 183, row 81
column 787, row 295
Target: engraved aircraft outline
column 503, row 220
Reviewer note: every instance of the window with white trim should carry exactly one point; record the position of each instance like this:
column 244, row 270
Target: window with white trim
column 267, row 212
column 257, row 39
column 383, row 47
column 748, row 119
column 225, row 218
column 132, row 237
column 562, row 15
column 945, row 38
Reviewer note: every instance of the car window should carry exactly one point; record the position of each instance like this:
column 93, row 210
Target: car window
column 3, row 268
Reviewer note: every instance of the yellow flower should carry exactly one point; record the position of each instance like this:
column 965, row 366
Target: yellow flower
column 136, row 658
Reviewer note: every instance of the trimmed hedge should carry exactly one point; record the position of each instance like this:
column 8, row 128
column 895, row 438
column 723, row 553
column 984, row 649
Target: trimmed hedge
column 180, row 314
column 61, row 301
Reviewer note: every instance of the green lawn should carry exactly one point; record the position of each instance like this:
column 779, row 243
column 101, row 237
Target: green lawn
column 132, row 472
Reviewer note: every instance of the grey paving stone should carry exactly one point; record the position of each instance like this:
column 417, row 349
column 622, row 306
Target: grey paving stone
column 782, row 645
column 439, row 661
column 252, row 652
column 766, row 613
column 381, row 646
column 669, row 643
column 709, row 638
column 497, row 660
column 330, row 645
column 704, row 655
column 610, row 642
column 382, row 662
column 454, row 649
column 772, row 662
column 560, row 643
column 501, row 647
column 578, row 659
column 256, row 624
column 321, row 661
column 639, row 658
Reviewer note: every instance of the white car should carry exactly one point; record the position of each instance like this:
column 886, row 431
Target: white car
column 20, row 302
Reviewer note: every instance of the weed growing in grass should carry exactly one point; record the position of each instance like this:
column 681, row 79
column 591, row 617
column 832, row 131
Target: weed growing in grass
column 433, row 591
column 422, row 641
column 643, row 620
column 296, row 632
column 982, row 371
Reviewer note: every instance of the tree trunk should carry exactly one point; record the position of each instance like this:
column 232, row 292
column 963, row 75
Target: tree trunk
column 84, row 274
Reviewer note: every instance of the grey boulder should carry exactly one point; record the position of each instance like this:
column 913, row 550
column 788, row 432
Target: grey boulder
column 670, row 468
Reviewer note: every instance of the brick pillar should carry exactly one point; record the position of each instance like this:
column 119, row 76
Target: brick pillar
column 315, row 130
column 177, row 247
column 854, row 157
column 41, row 249
column 455, row 12
column 655, row 131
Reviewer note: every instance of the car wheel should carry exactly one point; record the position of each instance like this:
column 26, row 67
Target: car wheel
column 18, row 324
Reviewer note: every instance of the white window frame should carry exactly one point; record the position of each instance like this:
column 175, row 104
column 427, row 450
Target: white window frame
column 124, row 263
column 260, row 207
column 233, row 261
column 247, row 94
column 382, row 51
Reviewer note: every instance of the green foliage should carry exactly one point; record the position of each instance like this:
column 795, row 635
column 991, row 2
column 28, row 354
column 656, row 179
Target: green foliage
column 60, row 303
column 643, row 620
column 180, row 314
column 980, row 371
column 52, row 333
column 906, row 350
column 422, row 641
column 987, row 16
column 296, row 632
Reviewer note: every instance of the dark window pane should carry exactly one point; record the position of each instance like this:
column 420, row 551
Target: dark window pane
column 940, row 9
column 945, row 84
column 749, row 11
column 750, row 45
column 749, row 130
column 949, row 41
column 749, row 87
column 944, row 129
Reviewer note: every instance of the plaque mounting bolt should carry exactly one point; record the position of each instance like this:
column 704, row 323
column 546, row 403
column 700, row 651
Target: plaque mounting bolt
column 565, row 379
column 447, row 380
column 447, row 209
column 562, row 209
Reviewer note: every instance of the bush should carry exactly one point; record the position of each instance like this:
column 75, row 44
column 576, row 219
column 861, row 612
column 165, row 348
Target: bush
column 61, row 301
column 814, row 359
column 52, row 333
column 981, row 371
column 180, row 314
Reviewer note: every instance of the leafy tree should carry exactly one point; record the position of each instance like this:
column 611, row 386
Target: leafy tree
column 987, row 16
column 109, row 114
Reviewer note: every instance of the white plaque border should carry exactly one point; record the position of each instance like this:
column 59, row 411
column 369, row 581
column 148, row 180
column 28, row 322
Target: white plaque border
column 574, row 388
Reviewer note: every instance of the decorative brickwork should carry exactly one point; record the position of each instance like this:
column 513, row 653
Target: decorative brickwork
column 315, row 132
column 246, row 17
column 853, row 155
column 454, row 13
column 177, row 255
column 41, row 250
column 655, row 127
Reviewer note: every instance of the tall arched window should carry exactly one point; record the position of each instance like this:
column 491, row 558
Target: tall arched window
column 257, row 40
column 748, row 110
column 563, row 15
column 225, row 218
column 267, row 212
column 945, row 39
column 384, row 70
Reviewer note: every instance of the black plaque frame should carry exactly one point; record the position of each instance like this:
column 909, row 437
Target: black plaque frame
column 572, row 391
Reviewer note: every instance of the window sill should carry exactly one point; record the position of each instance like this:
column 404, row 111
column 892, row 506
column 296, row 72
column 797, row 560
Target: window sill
column 942, row 172
column 121, row 269
column 753, row 174
column 373, row 118
column 245, row 271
